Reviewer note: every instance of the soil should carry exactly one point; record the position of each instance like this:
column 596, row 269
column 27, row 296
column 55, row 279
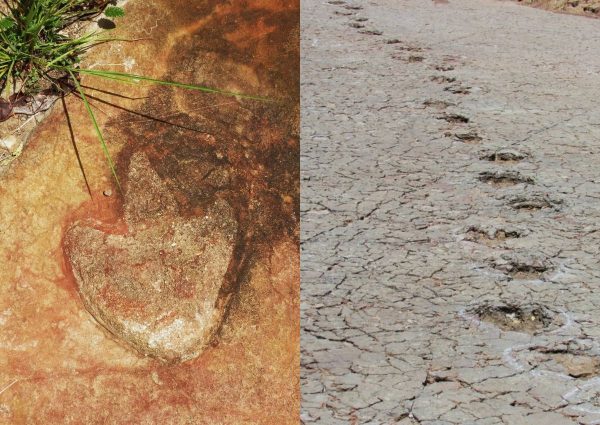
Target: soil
column 589, row 8
column 447, row 282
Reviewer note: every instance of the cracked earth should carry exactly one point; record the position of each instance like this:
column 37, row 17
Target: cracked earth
column 450, row 214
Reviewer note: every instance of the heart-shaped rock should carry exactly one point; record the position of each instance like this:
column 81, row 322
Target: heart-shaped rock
column 156, row 287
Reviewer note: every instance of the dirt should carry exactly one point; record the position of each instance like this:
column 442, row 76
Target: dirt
column 513, row 317
column 589, row 8
column 391, row 198
column 59, row 365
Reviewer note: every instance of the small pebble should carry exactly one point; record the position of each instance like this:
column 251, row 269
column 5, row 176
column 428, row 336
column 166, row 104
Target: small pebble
column 107, row 192
column 155, row 378
column 9, row 143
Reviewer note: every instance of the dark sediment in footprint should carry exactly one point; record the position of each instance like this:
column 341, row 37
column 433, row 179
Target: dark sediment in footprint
column 505, row 155
column 529, row 318
column 504, row 178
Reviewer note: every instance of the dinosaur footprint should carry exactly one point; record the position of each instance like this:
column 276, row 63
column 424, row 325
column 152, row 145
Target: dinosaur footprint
column 157, row 287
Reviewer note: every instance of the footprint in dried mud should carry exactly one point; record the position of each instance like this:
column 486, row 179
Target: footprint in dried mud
column 528, row 318
column 468, row 137
column 527, row 272
column 415, row 59
column 528, row 267
column 438, row 104
column 534, row 202
column 504, row 155
column 361, row 19
column 353, row 7
column 492, row 236
column 156, row 287
column 504, row 178
column 458, row 89
column 393, row 41
column 454, row 118
column 355, row 25
column 410, row 53
column 336, row 2
column 441, row 79
column 444, row 68
column 371, row 32
column 414, row 49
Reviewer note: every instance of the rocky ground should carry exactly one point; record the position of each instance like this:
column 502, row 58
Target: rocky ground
column 575, row 7
column 450, row 207
column 176, row 299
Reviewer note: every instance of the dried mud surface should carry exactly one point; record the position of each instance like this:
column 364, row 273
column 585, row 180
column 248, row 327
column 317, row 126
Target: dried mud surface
column 450, row 236
column 58, row 364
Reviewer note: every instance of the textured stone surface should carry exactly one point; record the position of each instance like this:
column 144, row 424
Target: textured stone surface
column 402, row 240
column 57, row 364
column 576, row 7
column 157, row 286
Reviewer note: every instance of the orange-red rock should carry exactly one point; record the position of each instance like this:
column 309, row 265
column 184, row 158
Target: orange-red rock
column 57, row 364
column 157, row 286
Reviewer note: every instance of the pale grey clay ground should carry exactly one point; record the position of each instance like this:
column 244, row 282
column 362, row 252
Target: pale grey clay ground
column 451, row 214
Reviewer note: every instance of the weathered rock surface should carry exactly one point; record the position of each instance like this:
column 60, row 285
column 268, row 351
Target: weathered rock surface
column 409, row 221
column 57, row 364
column 157, row 286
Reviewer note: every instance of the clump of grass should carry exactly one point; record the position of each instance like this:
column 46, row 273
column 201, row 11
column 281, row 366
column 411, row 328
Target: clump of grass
column 35, row 48
column 40, row 54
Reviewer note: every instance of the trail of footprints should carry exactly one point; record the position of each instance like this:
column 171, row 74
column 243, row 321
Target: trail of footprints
column 462, row 130
column 575, row 358
column 571, row 356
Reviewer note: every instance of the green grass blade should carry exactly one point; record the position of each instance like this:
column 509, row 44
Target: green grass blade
column 9, row 75
column 114, row 12
column 97, row 129
column 138, row 78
